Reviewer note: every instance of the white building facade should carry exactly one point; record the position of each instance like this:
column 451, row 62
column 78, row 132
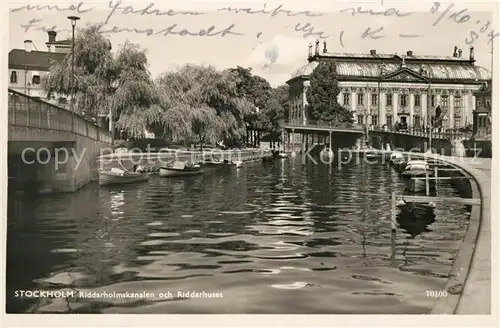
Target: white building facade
column 28, row 66
column 385, row 89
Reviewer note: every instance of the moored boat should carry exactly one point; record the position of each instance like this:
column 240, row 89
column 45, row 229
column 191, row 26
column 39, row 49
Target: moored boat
column 282, row 155
column 180, row 169
column 212, row 163
column 238, row 164
column 396, row 157
column 326, row 153
column 417, row 172
column 118, row 176
column 416, row 210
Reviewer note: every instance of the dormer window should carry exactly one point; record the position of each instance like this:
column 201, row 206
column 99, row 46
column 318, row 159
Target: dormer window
column 13, row 77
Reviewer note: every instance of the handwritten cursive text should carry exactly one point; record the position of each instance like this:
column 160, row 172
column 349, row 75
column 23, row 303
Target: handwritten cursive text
column 174, row 29
column 274, row 12
column 388, row 12
column 308, row 30
column 148, row 10
column 78, row 8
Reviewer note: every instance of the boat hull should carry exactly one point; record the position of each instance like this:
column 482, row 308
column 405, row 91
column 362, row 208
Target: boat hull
column 106, row 179
column 171, row 172
column 415, row 210
column 418, row 185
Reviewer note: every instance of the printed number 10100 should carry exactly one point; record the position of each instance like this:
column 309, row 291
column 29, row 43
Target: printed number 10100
column 436, row 293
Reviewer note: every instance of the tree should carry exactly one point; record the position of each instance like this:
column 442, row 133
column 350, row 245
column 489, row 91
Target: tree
column 322, row 96
column 201, row 104
column 105, row 83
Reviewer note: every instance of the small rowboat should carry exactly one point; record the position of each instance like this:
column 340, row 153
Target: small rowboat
column 118, row 176
column 327, row 152
column 180, row 169
column 212, row 163
column 416, row 178
column 282, row 155
column 416, row 210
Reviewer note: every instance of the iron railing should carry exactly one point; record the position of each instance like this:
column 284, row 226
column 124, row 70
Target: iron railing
column 26, row 111
column 329, row 125
column 448, row 134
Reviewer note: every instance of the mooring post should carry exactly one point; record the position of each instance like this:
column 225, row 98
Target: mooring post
column 426, row 183
column 393, row 228
column 436, row 177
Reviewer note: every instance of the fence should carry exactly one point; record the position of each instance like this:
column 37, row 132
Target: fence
column 25, row 111
column 450, row 134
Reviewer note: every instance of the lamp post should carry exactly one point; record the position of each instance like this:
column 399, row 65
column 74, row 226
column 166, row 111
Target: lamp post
column 381, row 76
column 73, row 20
column 429, row 117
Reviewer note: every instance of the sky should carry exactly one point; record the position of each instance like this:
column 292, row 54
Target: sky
column 270, row 38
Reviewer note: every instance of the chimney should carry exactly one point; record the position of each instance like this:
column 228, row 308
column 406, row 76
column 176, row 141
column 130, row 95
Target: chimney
column 324, row 47
column 316, row 49
column 471, row 54
column 460, row 53
column 409, row 53
column 373, row 52
column 52, row 36
column 455, row 51
column 27, row 45
column 310, row 50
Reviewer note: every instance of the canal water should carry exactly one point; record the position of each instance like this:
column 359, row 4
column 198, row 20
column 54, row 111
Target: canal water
column 278, row 238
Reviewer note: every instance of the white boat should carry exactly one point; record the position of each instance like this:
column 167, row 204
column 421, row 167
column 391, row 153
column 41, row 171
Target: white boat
column 117, row 176
column 180, row 169
column 326, row 152
column 282, row 155
column 238, row 164
column 396, row 156
column 416, row 172
column 212, row 163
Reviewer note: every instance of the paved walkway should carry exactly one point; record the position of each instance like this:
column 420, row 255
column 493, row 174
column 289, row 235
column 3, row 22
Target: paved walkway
column 476, row 296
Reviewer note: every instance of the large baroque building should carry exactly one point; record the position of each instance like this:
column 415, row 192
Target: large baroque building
column 385, row 89
column 28, row 66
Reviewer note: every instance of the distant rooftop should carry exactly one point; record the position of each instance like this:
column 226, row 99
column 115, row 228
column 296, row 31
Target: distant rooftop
column 34, row 60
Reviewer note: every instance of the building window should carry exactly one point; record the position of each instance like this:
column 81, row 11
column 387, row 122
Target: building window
column 375, row 120
column 347, row 99
column 433, row 100
column 403, row 100
column 388, row 100
column 35, row 79
column 444, row 101
column 388, row 120
column 457, row 121
column 374, row 100
column 360, row 119
column 479, row 103
column 457, row 102
column 361, row 99
column 481, row 121
column 13, row 77
column 416, row 121
column 417, row 100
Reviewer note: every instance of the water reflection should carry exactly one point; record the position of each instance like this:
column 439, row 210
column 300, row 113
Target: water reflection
column 267, row 236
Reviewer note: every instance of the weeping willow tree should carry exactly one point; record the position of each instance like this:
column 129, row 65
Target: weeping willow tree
column 105, row 83
column 198, row 104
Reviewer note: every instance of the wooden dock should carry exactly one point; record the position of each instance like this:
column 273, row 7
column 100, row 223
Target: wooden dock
column 451, row 200
column 441, row 178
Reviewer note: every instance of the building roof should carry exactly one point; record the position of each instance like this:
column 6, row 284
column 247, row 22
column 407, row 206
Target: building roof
column 484, row 90
column 34, row 60
column 368, row 66
column 60, row 42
